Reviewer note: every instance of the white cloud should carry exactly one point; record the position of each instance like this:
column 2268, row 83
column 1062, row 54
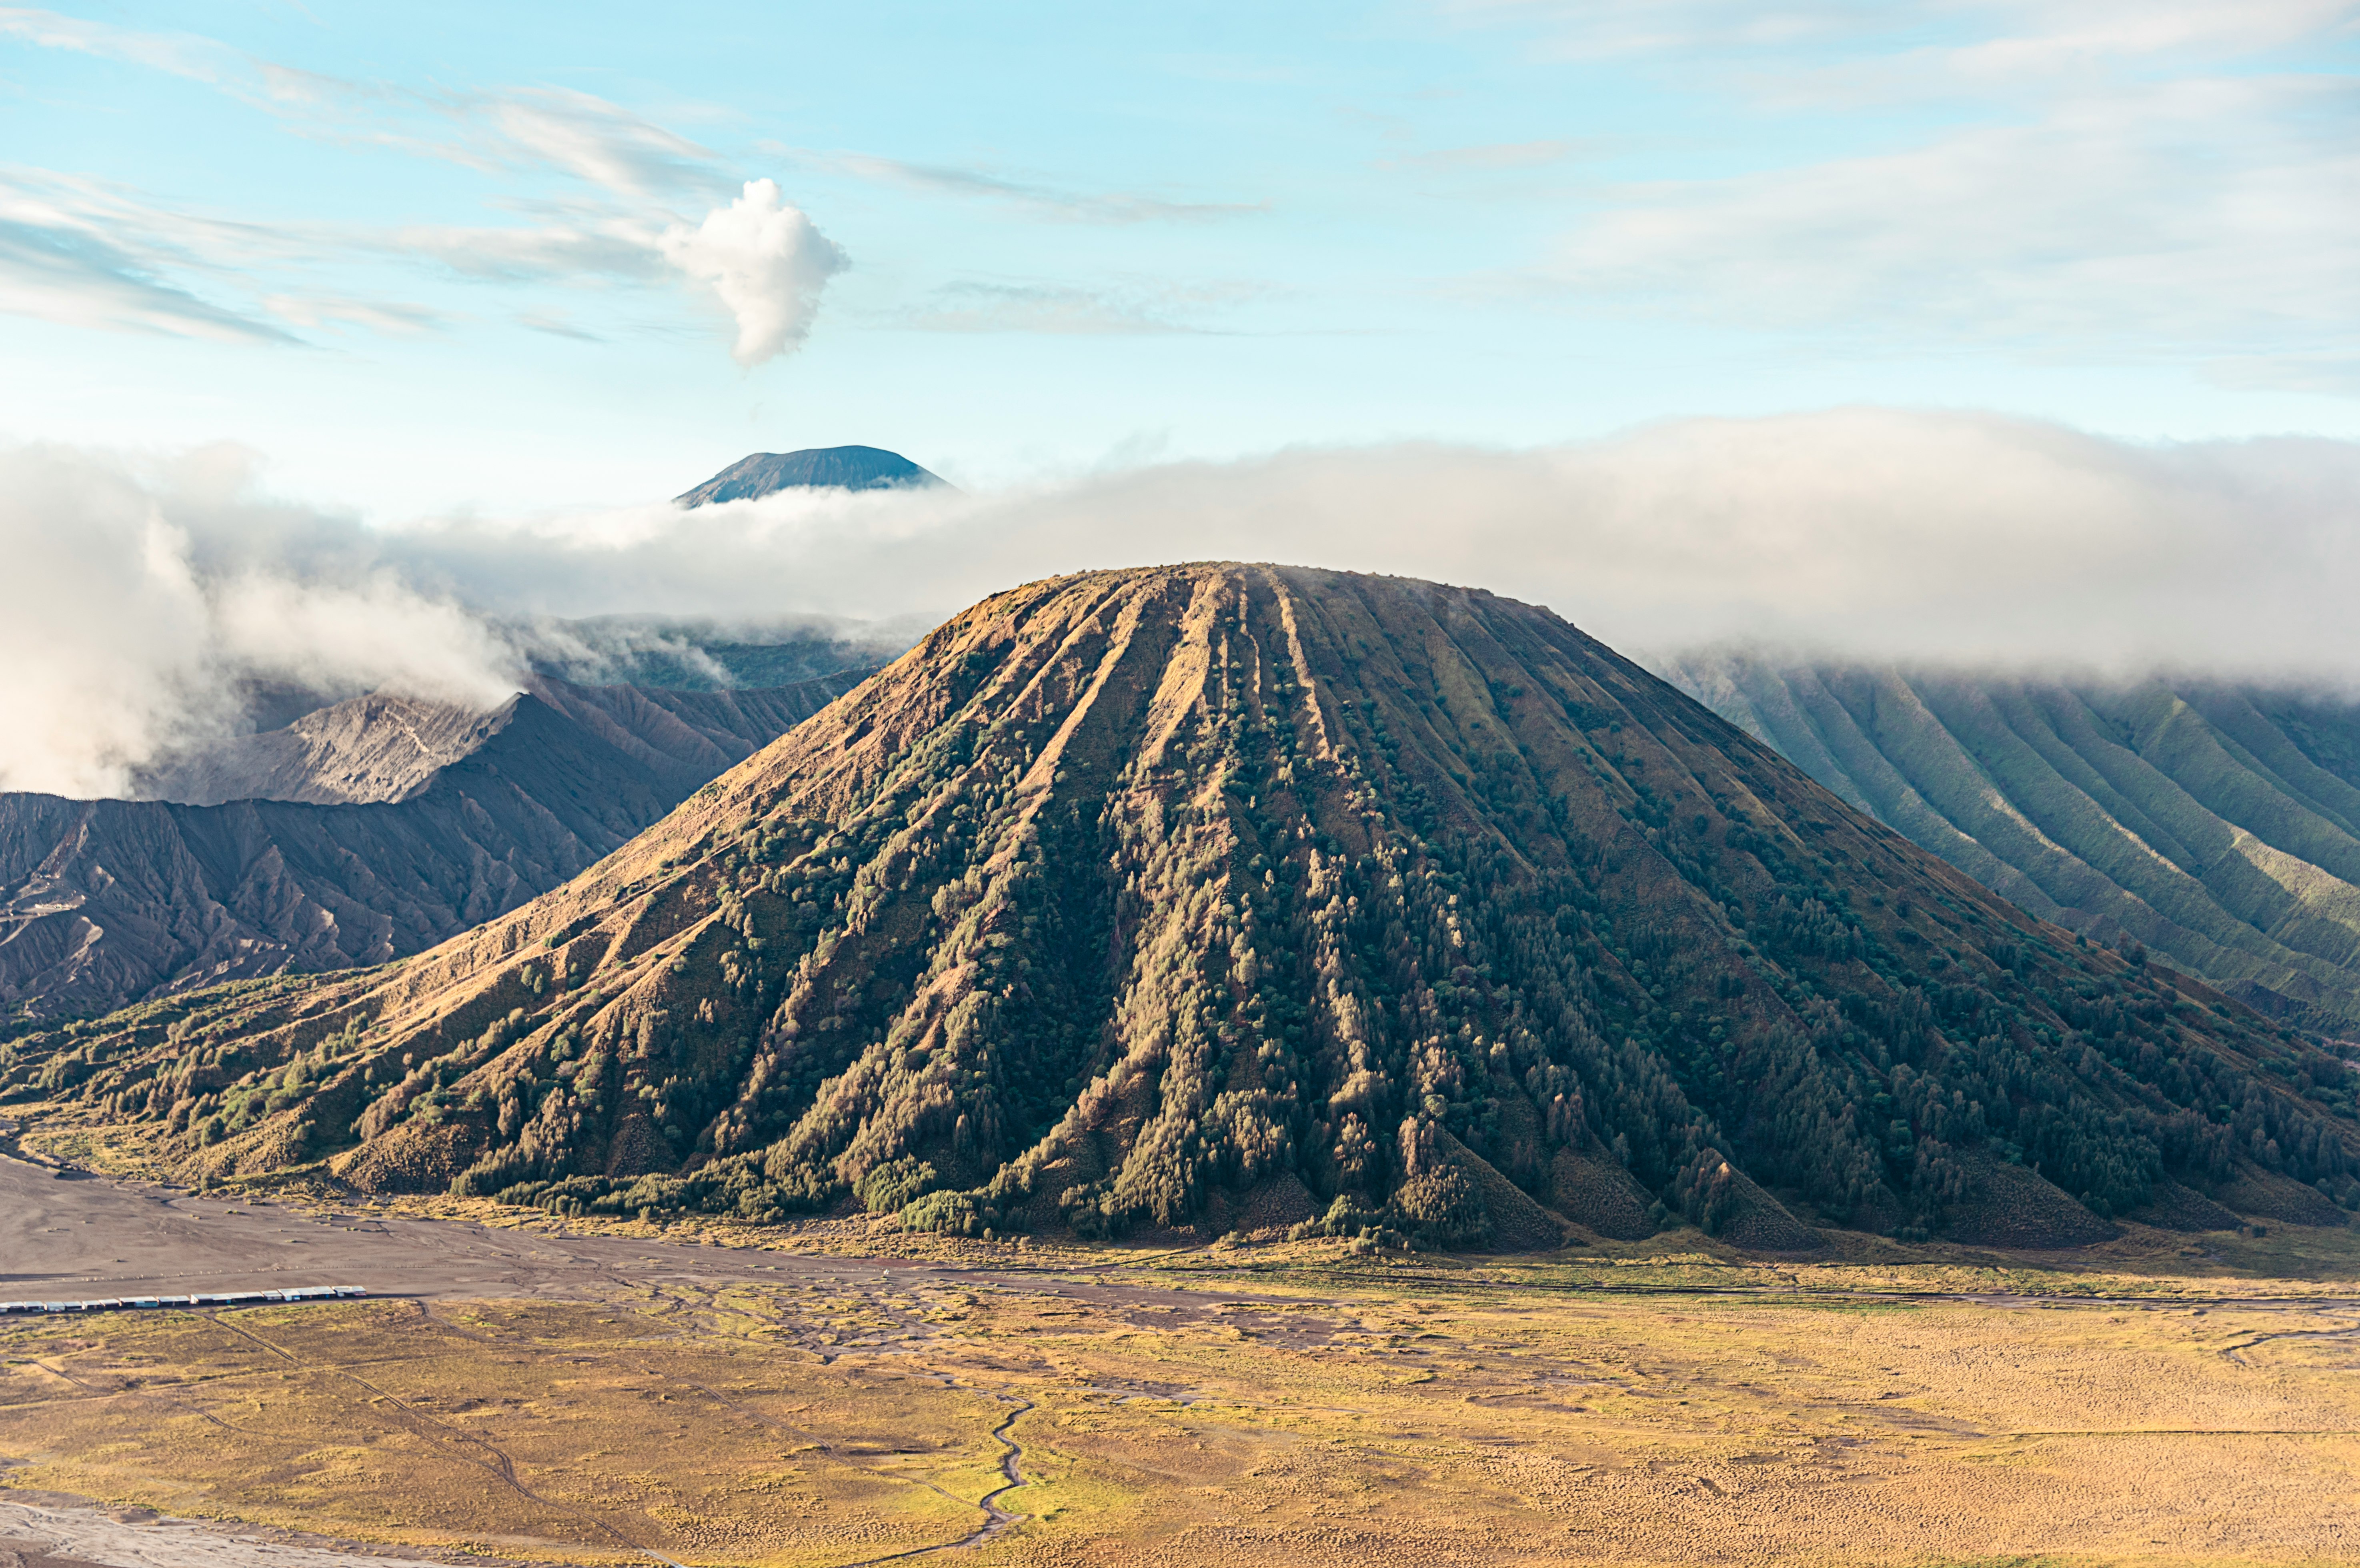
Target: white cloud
column 393, row 317
column 596, row 141
column 1058, row 310
column 92, row 254
column 767, row 263
column 79, row 252
column 1045, row 201
column 2011, row 35
column 63, row 272
column 586, row 137
column 1870, row 530
column 72, row 252
column 2111, row 179
column 2029, row 43
column 177, row 54
column 378, row 633
column 618, row 247
column 145, row 594
column 75, row 250
column 2196, row 212
column 140, row 604
column 556, row 326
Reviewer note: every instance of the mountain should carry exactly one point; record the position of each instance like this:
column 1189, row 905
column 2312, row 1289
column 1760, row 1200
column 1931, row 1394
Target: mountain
column 2216, row 823
column 365, row 749
column 814, row 468
column 366, row 831
column 1231, row 895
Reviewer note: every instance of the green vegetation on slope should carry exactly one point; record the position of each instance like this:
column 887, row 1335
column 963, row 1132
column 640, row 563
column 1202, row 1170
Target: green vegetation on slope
column 2219, row 825
column 1141, row 897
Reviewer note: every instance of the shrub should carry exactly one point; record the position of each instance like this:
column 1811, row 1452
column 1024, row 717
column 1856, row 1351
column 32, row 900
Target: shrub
column 894, row 1185
column 1442, row 1208
column 950, row 1214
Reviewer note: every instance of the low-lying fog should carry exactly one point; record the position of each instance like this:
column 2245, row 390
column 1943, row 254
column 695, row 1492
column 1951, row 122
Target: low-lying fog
column 148, row 593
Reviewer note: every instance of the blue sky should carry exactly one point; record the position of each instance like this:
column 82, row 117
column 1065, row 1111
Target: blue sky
column 435, row 258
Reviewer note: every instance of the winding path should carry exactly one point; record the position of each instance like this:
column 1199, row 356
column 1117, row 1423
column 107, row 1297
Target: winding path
column 1010, row 1467
column 996, row 1521
column 2236, row 1352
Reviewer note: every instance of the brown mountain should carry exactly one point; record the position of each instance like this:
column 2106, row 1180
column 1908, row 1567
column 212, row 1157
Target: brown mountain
column 367, row 830
column 1222, row 895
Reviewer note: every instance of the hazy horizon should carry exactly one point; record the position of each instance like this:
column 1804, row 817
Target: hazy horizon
column 1988, row 332
column 160, row 587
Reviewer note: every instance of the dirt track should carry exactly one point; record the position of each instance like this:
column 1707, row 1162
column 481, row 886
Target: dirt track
column 82, row 1236
column 41, row 1535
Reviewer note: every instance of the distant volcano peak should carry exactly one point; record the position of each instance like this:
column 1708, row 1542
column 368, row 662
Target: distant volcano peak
column 814, row 468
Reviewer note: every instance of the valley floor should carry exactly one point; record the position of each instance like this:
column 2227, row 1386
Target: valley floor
column 520, row 1392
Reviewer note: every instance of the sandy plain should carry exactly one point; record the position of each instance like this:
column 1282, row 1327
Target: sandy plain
column 523, row 1392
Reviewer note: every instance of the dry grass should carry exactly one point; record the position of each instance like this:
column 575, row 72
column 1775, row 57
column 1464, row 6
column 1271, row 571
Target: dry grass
column 579, row 1431
column 1305, row 1416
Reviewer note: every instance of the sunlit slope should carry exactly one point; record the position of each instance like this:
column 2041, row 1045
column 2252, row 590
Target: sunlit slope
column 2217, row 824
column 1184, row 893
column 344, row 845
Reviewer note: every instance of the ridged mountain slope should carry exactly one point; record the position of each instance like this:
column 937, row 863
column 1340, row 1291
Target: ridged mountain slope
column 2218, row 824
column 1225, row 893
column 395, row 825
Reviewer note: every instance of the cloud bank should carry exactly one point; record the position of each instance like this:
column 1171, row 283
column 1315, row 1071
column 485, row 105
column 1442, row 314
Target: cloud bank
column 1922, row 535
column 142, row 605
column 150, row 593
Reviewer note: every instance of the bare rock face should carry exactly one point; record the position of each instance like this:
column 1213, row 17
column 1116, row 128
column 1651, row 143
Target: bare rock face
column 370, row 749
column 358, row 834
column 1125, row 897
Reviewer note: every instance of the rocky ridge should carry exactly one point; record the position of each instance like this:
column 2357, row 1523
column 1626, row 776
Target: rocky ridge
column 367, row 830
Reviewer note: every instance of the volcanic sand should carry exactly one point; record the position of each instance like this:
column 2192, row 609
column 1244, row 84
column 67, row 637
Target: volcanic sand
column 529, row 1394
